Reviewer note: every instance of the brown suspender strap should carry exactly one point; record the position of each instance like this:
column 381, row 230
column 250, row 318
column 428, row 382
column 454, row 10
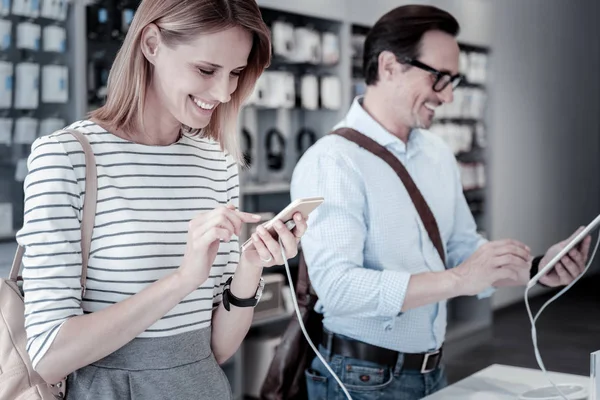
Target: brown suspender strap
column 417, row 198
column 89, row 212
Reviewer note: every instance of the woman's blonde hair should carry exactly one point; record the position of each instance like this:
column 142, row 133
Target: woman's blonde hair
column 181, row 21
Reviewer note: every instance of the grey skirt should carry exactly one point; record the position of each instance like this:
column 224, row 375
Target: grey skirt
column 180, row 367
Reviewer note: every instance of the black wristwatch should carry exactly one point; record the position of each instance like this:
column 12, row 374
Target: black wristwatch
column 229, row 298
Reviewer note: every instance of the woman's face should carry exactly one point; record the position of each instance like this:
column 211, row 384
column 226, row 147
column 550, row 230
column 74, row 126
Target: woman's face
column 191, row 80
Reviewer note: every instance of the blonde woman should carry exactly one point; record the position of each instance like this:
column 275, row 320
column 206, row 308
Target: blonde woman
column 151, row 324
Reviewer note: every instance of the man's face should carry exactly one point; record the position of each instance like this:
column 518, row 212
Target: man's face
column 414, row 99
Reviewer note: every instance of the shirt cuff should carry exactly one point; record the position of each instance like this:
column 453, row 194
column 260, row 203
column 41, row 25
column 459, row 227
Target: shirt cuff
column 393, row 288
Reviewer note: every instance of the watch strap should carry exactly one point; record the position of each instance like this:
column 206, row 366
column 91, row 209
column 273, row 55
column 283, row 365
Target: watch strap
column 229, row 298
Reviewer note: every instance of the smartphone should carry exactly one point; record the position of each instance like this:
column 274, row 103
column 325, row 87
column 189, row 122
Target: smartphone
column 304, row 206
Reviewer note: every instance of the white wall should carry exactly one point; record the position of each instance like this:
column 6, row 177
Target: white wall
column 544, row 122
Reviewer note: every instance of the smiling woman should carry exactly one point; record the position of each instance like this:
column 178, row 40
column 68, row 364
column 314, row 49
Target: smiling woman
column 210, row 52
column 150, row 323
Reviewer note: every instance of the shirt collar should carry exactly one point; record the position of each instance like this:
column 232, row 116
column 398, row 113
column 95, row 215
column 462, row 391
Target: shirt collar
column 359, row 119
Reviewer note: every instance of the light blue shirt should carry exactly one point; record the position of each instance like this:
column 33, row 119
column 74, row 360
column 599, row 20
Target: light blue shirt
column 367, row 239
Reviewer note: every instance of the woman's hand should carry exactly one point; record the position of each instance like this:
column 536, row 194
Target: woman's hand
column 205, row 233
column 267, row 251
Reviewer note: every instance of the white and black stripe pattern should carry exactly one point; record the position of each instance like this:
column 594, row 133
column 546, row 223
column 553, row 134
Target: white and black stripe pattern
column 146, row 197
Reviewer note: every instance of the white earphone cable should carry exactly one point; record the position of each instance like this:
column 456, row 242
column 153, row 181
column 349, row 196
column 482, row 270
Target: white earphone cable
column 299, row 315
column 534, row 319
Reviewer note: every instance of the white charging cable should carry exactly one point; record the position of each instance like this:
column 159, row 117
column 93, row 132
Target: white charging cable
column 299, row 315
column 534, row 319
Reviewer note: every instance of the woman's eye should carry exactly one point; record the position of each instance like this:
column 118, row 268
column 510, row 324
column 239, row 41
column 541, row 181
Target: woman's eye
column 205, row 72
column 236, row 73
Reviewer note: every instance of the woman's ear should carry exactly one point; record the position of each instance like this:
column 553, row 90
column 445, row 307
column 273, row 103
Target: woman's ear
column 150, row 42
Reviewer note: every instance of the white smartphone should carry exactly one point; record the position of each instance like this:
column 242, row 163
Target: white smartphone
column 304, row 206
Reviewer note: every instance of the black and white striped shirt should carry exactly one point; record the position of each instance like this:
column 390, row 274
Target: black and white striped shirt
column 146, row 197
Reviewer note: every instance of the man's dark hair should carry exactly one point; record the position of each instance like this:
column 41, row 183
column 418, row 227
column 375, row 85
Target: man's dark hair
column 400, row 32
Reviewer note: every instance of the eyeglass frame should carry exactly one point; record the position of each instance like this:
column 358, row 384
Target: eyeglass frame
column 438, row 74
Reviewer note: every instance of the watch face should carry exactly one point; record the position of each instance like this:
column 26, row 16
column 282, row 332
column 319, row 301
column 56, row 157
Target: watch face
column 261, row 286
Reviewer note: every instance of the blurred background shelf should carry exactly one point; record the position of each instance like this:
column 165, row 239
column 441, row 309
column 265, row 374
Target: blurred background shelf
column 274, row 319
column 267, row 188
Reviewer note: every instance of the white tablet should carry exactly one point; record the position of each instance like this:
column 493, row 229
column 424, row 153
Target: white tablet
column 588, row 229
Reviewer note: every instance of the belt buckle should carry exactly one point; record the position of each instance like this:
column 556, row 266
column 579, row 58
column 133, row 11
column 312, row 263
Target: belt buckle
column 424, row 369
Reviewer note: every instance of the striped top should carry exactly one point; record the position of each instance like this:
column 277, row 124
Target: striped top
column 146, row 197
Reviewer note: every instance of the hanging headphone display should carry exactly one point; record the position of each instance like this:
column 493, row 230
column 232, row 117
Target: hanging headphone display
column 283, row 39
column 308, row 45
column 275, row 146
column 306, row 137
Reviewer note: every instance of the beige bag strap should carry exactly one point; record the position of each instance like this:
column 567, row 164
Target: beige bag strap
column 89, row 212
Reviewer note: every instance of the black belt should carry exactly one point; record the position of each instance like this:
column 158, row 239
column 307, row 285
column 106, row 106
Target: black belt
column 423, row 362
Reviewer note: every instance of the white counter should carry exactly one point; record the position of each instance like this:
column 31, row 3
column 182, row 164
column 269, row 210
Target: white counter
column 502, row 382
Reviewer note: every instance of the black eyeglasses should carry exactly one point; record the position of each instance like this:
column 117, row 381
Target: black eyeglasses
column 442, row 79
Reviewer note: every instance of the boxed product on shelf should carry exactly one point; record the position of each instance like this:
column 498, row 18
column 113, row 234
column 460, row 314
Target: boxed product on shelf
column 26, row 129
column 6, row 84
column 458, row 137
column 283, row 39
column 331, row 92
column 26, row 8
column 472, row 175
column 29, row 36
column 308, row 46
column 6, row 127
column 330, row 48
column 477, row 67
column 5, row 34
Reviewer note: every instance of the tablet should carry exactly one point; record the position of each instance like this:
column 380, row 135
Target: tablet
column 588, row 229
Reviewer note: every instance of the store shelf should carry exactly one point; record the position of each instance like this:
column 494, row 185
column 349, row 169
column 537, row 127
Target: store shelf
column 458, row 121
column 267, row 188
column 476, row 155
column 475, row 194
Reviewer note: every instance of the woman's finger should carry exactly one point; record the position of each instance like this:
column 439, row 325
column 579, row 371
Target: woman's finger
column 301, row 226
column 271, row 244
column 261, row 249
column 287, row 238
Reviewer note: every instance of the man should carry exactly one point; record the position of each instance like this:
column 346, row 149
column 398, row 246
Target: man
column 381, row 283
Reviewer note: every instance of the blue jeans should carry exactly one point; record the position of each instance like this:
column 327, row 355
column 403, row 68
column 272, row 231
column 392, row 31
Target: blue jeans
column 369, row 381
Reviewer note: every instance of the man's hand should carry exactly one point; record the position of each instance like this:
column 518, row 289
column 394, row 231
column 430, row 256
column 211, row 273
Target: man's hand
column 570, row 266
column 497, row 261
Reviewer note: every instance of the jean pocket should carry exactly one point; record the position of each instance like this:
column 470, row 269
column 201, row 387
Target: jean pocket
column 362, row 378
column 316, row 385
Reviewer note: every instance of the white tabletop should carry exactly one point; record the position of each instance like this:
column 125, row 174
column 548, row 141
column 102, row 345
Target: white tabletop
column 502, row 382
